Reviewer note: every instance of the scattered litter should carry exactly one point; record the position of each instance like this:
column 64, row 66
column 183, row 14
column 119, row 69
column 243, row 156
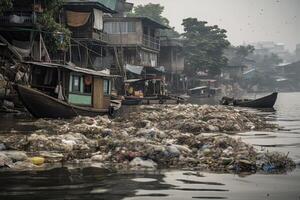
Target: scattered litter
column 164, row 136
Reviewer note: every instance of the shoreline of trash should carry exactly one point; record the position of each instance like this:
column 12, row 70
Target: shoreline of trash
column 149, row 137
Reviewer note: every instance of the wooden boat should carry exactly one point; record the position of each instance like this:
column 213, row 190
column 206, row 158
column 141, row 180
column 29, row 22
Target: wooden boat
column 41, row 105
column 263, row 102
column 157, row 99
column 42, row 101
column 150, row 90
column 130, row 101
column 203, row 92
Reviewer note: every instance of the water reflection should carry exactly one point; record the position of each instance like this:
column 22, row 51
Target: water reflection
column 16, row 122
column 95, row 183
column 287, row 116
column 77, row 183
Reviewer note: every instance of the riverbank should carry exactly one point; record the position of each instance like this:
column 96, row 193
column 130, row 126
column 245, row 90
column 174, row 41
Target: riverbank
column 150, row 137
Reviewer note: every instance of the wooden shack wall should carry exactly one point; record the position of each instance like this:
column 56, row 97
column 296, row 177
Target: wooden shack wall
column 172, row 59
column 106, row 101
column 100, row 101
column 133, row 38
column 98, row 96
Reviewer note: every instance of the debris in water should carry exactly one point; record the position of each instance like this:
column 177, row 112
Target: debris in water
column 165, row 136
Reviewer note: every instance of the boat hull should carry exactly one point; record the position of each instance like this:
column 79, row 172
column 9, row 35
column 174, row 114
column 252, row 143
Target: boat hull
column 264, row 102
column 160, row 99
column 131, row 102
column 41, row 105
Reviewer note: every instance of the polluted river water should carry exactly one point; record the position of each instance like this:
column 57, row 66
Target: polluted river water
column 73, row 182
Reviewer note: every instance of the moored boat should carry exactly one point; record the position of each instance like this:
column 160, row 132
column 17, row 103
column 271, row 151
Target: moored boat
column 263, row 102
column 157, row 99
column 62, row 91
column 130, row 101
column 203, row 92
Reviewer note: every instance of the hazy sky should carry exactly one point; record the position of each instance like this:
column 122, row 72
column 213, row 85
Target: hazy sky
column 245, row 20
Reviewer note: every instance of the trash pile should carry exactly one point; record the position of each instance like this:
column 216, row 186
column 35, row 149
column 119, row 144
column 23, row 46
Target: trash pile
column 160, row 136
column 195, row 118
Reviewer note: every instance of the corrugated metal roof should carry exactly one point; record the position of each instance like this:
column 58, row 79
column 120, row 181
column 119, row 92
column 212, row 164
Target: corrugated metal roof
column 249, row 71
column 72, row 68
column 198, row 88
column 105, row 5
column 143, row 19
column 132, row 80
column 112, row 4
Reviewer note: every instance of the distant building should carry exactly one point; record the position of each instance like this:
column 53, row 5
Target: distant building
column 290, row 73
column 17, row 31
column 232, row 73
column 137, row 37
column 291, row 70
column 269, row 47
column 135, row 47
column 172, row 58
column 89, row 44
column 121, row 7
column 237, row 65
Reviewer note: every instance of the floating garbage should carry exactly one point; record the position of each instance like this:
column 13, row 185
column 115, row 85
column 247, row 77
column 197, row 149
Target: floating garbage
column 2, row 147
column 5, row 161
column 141, row 163
column 158, row 136
column 16, row 155
column 37, row 160
column 275, row 162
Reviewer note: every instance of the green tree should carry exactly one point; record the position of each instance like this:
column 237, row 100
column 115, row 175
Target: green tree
column 154, row 12
column 57, row 36
column 244, row 51
column 5, row 5
column 238, row 55
column 203, row 47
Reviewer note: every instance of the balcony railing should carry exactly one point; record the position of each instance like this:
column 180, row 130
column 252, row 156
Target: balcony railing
column 18, row 19
column 151, row 42
column 90, row 34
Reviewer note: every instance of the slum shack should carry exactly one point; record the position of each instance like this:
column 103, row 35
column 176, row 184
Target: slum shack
column 172, row 58
column 201, row 92
column 143, row 90
column 63, row 91
column 135, row 43
column 207, row 88
column 151, row 89
column 89, row 41
column 148, row 81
